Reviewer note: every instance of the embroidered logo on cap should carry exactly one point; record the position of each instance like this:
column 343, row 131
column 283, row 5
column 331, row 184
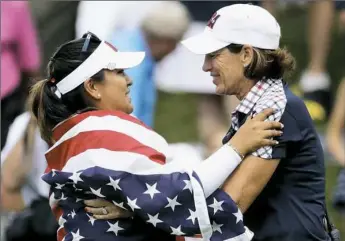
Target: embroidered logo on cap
column 213, row 20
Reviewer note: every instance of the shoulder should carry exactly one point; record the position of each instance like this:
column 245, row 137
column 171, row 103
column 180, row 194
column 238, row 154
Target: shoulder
column 274, row 97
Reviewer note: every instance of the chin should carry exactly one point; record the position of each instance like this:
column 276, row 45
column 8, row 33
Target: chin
column 220, row 91
column 129, row 109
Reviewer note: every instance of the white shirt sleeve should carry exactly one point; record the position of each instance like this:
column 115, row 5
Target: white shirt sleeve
column 15, row 132
column 35, row 185
column 217, row 168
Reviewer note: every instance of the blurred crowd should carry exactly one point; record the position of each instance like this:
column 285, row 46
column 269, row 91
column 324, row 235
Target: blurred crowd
column 32, row 30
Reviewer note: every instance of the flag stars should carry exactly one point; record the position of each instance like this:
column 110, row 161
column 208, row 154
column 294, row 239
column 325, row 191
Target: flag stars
column 172, row 203
column 217, row 206
column 114, row 183
column 59, row 186
column 238, row 215
column 72, row 214
column 188, row 185
column 132, row 204
column 76, row 177
column 216, row 227
column 192, row 216
column 151, row 190
column 91, row 219
column 76, row 236
column 97, row 192
column 115, row 228
column 154, row 219
column 177, row 231
column 119, row 205
column 62, row 198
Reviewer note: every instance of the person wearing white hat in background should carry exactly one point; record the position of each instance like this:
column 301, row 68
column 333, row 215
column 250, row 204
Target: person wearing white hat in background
column 282, row 186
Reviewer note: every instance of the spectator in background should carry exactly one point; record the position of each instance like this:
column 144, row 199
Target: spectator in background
column 24, row 196
column 315, row 81
column 55, row 24
column 160, row 30
column 110, row 15
column 20, row 60
column 335, row 143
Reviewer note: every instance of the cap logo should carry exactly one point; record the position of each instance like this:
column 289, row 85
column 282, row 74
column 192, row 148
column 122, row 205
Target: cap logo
column 213, row 20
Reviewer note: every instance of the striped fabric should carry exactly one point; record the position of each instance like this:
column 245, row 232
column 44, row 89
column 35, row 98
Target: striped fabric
column 112, row 155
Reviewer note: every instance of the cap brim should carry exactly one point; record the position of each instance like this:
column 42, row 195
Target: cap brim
column 203, row 43
column 126, row 60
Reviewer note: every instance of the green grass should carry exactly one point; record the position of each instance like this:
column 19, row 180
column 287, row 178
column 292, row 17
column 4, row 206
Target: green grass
column 176, row 113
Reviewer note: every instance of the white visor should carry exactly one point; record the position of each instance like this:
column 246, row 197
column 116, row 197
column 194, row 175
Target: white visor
column 104, row 57
column 204, row 43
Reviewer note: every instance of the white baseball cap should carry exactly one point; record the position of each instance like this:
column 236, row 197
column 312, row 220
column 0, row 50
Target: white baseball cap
column 237, row 24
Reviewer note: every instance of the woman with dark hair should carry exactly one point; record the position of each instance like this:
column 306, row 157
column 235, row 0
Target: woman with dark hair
column 97, row 150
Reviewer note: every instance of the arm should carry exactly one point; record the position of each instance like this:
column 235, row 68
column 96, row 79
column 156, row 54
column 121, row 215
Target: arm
column 252, row 175
column 12, row 180
column 14, row 169
column 170, row 193
column 249, row 179
column 335, row 127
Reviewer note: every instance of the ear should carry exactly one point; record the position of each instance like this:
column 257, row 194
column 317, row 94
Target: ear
column 91, row 88
column 247, row 54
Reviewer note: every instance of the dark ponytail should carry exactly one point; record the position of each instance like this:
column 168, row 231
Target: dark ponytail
column 47, row 107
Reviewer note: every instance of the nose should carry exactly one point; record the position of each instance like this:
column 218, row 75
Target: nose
column 128, row 81
column 207, row 66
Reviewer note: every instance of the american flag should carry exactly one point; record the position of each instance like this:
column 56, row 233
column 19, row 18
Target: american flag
column 114, row 156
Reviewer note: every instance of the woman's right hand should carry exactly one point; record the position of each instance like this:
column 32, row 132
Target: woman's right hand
column 256, row 133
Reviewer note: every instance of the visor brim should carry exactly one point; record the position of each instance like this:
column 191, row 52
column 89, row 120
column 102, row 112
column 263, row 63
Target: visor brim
column 203, row 43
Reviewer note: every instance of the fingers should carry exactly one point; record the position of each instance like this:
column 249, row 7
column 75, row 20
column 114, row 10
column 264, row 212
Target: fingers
column 112, row 212
column 271, row 133
column 96, row 211
column 266, row 125
column 114, row 215
column 108, row 216
column 97, row 203
column 269, row 142
column 263, row 115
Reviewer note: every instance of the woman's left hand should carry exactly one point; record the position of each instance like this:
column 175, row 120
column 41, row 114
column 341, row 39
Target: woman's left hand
column 102, row 209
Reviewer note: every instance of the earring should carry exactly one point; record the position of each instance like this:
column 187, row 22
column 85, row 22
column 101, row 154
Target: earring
column 99, row 95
